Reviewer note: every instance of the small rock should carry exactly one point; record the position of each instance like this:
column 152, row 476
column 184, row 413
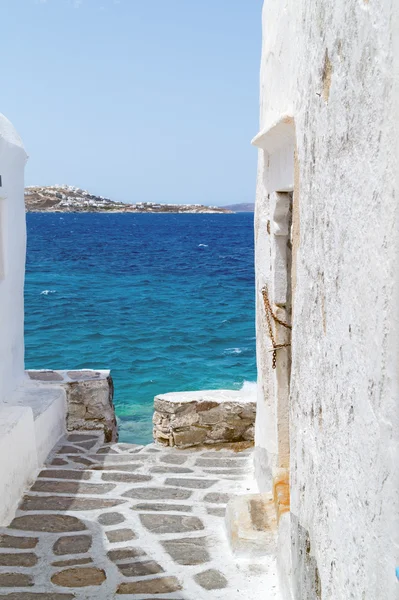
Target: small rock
column 140, row 569
column 161, row 585
column 14, row 580
column 18, row 559
column 161, row 493
column 71, row 487
column 125, row 477
column 199, row 484
column 106, row 450
column 86, row 445
column 216, row 511
column 63, row 503
column 162, row 507
column 216, row 498
column 68, row 450
column 191, row 437
column 126, row 468
column 188, row 551
column 81, row 460
column 218, row 462
column 64, row 474
column 48, row 523
column 112, row 459
column 73, row 544
column 45, row 376
column 211, row 580
column 125, row 553
column 158, row 523
column 71, row 562
column 79, row 577
column 59, row 462
column 22, row 543
column 171, row 470
column 120, row 535
column 173, row 459
column 112, row 518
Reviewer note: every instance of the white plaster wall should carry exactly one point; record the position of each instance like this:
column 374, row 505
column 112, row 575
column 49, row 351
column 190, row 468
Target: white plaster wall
column 12, row 258
column 18, row 458
column 344, row 387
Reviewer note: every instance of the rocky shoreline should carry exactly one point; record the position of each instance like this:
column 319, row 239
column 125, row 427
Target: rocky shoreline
column 66, row 198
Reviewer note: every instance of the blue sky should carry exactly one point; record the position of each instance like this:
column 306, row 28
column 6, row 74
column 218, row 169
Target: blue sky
column 138, row 100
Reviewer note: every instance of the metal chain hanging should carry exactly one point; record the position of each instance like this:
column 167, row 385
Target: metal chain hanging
column 269, row 316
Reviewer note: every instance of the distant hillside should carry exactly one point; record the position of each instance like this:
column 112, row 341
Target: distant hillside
column 66, row 198
column 248, row 207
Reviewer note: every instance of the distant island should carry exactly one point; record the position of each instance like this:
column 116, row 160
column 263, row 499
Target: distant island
column 66, row 198
column 243, row 207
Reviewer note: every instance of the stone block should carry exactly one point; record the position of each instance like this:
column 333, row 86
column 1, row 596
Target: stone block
column 189, row 437
column 90, row 405
column 252, row 525
column 211, row 580
column 186, row 419
column 79, row 577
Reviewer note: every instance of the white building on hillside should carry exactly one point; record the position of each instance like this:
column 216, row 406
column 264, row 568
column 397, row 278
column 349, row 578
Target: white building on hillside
column 327, row 264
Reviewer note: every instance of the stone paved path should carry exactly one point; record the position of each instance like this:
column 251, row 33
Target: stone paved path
column 118, row 520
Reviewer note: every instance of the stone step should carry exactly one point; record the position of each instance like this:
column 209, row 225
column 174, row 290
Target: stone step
column 252, row 525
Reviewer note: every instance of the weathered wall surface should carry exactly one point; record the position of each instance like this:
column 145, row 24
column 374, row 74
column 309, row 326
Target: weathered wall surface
column 185, row 419
column 12, row 258
column 330, row 66
column 89, row 399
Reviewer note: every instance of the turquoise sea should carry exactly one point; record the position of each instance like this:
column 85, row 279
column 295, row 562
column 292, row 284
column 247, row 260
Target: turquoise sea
column 166, row 301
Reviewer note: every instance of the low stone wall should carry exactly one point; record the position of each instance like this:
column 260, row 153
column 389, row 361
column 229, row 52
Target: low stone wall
column 89, row 396
column 185, row 419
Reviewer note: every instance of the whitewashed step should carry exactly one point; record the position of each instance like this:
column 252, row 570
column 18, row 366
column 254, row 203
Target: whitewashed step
column 252, row 525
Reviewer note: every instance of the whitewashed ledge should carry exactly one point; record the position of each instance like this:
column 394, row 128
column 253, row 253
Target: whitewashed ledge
column 89, row 397
column 185, row 419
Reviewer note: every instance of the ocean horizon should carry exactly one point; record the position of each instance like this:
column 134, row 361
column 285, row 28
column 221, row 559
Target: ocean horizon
column 165, row 301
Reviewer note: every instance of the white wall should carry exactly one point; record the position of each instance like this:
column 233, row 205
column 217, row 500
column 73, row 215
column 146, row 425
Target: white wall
column 12, row 258
column 344, row 386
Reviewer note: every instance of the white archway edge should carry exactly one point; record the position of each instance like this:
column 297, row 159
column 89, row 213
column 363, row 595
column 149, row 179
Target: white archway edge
column 276, row 135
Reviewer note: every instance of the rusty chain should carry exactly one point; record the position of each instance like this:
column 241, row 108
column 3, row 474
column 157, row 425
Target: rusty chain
column 269, row 316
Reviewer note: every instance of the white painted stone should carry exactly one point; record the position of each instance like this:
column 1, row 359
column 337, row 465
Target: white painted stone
column 251, row 525
column 329, row 87
column 18, row 458
column 48, row 405
column 12, row 258
column 32, row 418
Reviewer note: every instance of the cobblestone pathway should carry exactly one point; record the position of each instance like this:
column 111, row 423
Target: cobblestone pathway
column 105, row 521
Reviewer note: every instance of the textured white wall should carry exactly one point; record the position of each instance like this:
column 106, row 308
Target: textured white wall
column 344, row 386
column 32, row 417
column 12, row 258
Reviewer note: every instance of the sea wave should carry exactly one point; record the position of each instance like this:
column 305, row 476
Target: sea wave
column 233, row 351
column 202, row 245
column 248, row 390
column 47, row 292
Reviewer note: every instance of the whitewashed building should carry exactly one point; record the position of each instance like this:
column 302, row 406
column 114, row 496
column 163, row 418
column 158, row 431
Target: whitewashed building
column 32, row 417
column 327, row 264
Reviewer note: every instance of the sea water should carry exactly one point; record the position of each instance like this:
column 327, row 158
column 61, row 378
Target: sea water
column 166, row 301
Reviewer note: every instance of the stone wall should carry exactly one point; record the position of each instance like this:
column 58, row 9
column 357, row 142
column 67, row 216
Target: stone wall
column 89, row 396
column 185, row 419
